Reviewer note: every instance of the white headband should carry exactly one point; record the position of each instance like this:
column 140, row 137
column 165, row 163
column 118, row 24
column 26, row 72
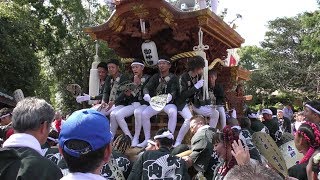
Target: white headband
column 6, row 115
column 253, row 116
column 151, row 142
column 313, row 109
column 166, row 134
column 165, row 60
column 137, row 63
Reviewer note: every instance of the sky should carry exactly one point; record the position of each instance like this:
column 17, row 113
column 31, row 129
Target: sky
column 256, row 14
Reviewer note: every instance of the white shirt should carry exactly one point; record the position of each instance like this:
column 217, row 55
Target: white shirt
column 82, row 176
column 23, row 140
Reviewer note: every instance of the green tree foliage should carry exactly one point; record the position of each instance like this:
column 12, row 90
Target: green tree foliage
column 44, row 48
column 18, row 42
column 71, row 63
column 288, row 60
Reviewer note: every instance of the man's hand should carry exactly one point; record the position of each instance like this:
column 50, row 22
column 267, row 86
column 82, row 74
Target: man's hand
column 188, row 160
column 241, row 154
column 136, row 80
column 110, row 104
column 147, row 97
column 199, row 84
column 103, row 104
column 85, row 97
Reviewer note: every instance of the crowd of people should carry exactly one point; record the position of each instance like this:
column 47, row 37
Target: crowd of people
column 185, row 96
column 37, row 143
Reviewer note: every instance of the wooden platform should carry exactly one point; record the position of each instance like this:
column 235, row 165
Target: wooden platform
column 157, row 122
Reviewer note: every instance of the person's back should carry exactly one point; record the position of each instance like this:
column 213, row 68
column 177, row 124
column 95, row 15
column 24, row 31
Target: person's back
column 256, row 124
column 160, row 164
column 274, row 129
column 26, row 163
column 246, row 137
column 21, row 155
column 119, row 166
column 272, row 124
column 286, row 126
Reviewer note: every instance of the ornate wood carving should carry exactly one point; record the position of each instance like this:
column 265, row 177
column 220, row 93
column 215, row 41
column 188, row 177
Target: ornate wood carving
column 139, row 10
column 174, row 32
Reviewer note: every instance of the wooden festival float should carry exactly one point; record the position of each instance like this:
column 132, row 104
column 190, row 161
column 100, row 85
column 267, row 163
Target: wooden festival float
column 137, row 24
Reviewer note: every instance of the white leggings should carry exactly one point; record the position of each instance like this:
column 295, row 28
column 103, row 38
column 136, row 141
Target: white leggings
column 169, row 109
column 187, row 115
column 113, row 121
column 138, row 120
column 222, row 116
column 208, row 111
column 127, row 111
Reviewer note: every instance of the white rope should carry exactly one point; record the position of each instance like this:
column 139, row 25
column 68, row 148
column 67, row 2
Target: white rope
column 143, row 26
column 200, row 51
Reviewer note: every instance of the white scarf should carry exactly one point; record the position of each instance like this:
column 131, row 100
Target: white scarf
column 23, row 140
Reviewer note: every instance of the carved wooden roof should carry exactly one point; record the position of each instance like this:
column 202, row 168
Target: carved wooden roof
column 173, row 30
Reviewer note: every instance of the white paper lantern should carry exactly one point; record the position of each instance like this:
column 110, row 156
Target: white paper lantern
column 18, row 95
column 150, row 53
column 94, row 81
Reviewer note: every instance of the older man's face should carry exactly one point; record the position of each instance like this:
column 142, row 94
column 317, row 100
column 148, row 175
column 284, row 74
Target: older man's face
column 194, row 126
column 267, row 116
column 280, row 114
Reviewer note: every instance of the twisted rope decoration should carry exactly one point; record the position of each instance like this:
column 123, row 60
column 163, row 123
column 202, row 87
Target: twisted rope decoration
column 200, row 51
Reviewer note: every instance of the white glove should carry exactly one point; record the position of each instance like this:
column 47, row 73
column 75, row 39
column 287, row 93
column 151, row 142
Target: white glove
column 85, row 97
column 147, row 97
column 199, row 84
column 169, row 98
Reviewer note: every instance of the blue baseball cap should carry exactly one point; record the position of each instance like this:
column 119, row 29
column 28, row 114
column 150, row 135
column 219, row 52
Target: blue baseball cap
column 86, row 125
